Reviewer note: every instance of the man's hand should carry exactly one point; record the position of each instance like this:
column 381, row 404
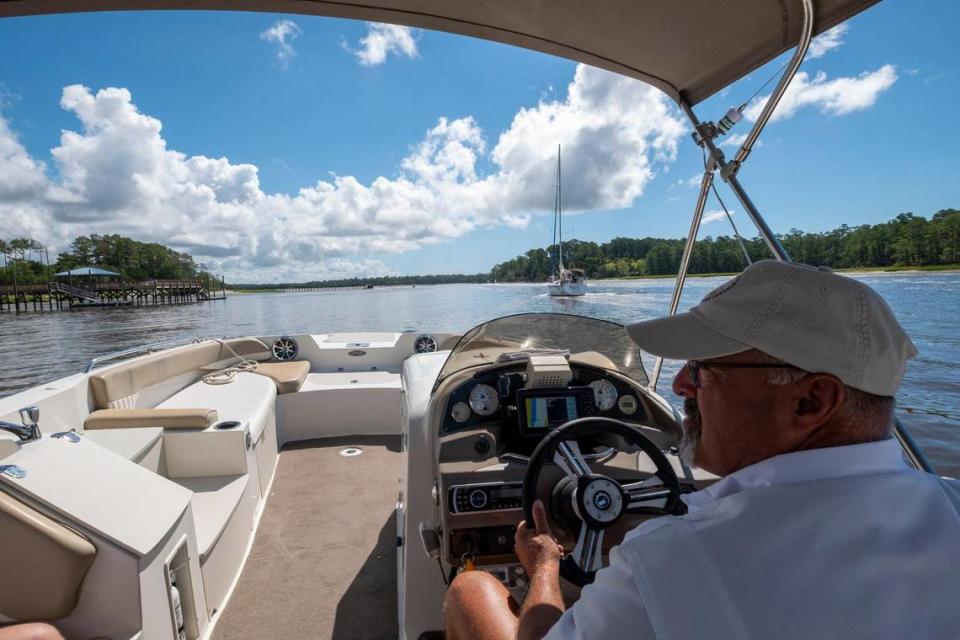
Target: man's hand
column 536, row 548
column 539, row 554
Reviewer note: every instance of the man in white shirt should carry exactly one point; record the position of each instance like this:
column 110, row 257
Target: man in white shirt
column 818, row 528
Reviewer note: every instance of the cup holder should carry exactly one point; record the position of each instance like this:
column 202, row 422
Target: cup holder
column 228, row 424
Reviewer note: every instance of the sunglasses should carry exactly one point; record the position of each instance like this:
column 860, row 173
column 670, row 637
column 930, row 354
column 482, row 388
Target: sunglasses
column 694, row 367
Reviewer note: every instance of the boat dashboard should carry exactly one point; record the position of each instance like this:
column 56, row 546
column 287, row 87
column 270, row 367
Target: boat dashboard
column 499, row 401
column 490, row 422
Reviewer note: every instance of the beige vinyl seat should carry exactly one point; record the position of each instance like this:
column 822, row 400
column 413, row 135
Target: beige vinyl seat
column 130, row 395
column 44, row 563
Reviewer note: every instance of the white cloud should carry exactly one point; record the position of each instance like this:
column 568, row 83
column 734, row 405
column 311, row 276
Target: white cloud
column 282, row 34
column 827, row 41
column 693, row 182
column 715, row 216
column 733, row 140
column 837, row 97
column 22, row 178
column 116, row 174
column 382, row 40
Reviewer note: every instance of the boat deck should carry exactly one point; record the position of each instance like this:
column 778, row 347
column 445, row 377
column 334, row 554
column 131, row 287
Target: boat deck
column 323, row 564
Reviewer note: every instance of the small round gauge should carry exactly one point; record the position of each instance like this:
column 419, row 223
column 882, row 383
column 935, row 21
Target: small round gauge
column 627, row 404
column 460, row 412
column 604, row 394
column 484, row 400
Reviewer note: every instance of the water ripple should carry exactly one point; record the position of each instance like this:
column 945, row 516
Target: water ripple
column 38, row 347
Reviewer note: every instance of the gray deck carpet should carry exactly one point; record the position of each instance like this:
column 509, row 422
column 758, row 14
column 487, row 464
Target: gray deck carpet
column 323, row 564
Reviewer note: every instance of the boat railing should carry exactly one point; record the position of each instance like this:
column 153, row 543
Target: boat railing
column 145, row 349
column 911, row 449
column 77, row 292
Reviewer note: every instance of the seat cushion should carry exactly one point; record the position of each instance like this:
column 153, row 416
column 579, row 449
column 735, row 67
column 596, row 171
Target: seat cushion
column 114, row 386
column 288, row 376
column 44, row 563
column 249, row 398
column 179, row 418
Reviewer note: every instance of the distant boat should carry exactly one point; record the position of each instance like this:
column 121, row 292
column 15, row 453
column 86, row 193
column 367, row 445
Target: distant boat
column 563, row 281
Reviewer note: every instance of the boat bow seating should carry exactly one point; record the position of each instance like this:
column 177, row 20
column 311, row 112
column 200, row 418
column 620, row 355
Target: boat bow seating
column 147, row 382
column 219, row 439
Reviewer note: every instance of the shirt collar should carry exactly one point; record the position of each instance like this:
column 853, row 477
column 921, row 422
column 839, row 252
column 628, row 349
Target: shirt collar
column 882, row 456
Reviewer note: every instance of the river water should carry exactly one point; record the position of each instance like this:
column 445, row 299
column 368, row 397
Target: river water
column 36, row 347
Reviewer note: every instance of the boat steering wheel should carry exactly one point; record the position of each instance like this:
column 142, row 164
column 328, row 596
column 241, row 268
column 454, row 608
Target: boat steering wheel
column 594, row 500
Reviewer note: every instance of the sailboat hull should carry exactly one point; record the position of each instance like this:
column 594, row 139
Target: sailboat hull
column 568, row 289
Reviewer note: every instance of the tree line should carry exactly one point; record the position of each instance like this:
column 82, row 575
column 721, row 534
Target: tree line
column 30, row 261
column 907, row 240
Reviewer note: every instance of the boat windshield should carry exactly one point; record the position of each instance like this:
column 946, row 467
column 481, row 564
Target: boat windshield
column 584, row 340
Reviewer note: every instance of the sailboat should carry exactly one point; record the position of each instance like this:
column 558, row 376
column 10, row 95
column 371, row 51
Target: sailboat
column 563, row 281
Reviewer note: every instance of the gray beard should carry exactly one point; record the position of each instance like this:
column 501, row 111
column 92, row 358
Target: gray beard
column 690, row 439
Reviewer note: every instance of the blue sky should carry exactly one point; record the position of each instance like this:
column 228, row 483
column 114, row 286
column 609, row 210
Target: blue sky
column 202, row 129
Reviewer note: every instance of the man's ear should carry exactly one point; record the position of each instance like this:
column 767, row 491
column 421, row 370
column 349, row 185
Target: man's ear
column 821, row 396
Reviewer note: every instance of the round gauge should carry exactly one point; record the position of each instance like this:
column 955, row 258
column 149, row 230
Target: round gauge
column 460, row 412
column 604, row 394
column 627, row 405
column 484, row 400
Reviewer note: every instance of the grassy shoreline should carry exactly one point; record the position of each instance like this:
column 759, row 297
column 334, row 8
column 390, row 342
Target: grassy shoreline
column 942, row 268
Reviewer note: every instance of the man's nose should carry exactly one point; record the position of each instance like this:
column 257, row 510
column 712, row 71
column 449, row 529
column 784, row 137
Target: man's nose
column 682, row 384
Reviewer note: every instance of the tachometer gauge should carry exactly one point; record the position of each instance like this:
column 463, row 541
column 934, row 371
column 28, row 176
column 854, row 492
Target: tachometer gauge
column 484, row 400
column 604, row 394
column 460, row 412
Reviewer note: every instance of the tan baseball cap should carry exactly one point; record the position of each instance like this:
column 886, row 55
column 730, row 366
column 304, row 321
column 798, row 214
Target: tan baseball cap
column 809, row 317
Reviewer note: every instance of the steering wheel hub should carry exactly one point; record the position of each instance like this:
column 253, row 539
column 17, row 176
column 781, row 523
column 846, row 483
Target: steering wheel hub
column 599, row 501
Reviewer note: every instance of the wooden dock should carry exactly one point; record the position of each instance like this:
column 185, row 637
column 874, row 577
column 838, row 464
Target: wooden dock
column 55, row 296
column 322, row 287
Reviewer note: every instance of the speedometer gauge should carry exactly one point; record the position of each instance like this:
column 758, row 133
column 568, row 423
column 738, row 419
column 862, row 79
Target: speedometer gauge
column 604, row 394
column 484, row 400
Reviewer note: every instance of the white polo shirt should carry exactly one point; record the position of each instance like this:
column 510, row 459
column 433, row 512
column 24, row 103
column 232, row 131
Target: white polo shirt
column 842, row 542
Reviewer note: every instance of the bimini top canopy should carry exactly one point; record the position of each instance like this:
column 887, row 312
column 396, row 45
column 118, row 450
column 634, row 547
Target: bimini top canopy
column 688, row 48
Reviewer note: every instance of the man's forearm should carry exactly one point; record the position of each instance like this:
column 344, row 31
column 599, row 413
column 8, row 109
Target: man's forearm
column 543, row 605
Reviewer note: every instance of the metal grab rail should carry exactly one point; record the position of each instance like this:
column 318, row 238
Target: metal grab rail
column 142, row 350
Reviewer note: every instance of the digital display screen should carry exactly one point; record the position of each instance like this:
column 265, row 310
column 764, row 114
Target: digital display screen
column 546, row 412
column 541, row 410
column 503, row 493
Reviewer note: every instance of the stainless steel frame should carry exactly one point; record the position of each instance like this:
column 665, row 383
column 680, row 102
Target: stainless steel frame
column 716, row 161
column 705, row 133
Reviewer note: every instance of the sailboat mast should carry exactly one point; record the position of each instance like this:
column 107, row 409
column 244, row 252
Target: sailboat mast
column 559, row 210
column 553, row 245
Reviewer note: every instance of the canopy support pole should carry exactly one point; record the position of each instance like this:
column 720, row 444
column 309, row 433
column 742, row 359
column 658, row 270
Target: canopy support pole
column 705, row 185
column 806, row 35
column 704, row 135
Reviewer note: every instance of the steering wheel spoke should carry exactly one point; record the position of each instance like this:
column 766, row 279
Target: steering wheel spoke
column 641, row 494
column 569, row 458
column 588, row 552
